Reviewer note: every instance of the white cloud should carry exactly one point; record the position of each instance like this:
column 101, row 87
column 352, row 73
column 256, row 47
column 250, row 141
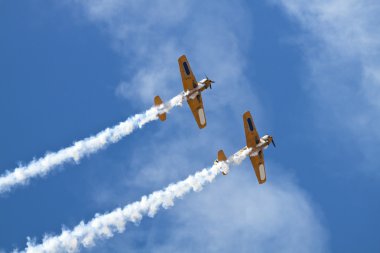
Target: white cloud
column 239, row 215
column 149, row 81
column 343, row 51
column 234, row 214
column 142, row 32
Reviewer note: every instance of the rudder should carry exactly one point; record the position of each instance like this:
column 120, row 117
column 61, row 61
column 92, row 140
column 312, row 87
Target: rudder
column 158, row 102
column 222, row 158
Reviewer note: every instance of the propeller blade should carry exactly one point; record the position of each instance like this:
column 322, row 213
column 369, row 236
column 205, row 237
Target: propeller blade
column 211, row 81
column 274, row 144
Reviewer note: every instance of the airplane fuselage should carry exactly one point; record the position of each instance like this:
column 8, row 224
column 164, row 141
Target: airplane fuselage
column 192, row 94
column 263, row 144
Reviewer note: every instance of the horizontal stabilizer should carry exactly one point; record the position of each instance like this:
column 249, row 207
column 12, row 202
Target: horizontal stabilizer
column 158, row 102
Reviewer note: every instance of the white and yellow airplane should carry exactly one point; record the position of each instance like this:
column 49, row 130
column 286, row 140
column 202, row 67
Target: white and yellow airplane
column 256, row 144
column 193, row 91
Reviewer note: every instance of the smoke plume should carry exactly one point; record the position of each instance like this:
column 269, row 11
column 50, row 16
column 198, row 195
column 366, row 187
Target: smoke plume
column 106, row 225
column 79, row 149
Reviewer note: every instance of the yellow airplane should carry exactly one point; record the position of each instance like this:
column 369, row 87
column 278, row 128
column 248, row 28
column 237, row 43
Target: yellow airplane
column 256, row 144
column 193, row 89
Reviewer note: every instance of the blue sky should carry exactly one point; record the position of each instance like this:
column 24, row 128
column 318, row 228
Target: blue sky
column 308, row 73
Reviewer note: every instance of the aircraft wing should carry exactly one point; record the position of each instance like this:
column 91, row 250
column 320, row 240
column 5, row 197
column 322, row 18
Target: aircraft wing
column 251, row 135
column 259, row 167
column 189, row 82
column 196, row 106
column 188, row 79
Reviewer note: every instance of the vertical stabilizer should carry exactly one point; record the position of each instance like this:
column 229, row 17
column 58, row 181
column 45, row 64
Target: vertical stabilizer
column 158, row 102
column 222, row 158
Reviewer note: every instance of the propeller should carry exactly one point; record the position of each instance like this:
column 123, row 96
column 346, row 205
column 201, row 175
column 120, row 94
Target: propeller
column 211, row 81
column 274, row 144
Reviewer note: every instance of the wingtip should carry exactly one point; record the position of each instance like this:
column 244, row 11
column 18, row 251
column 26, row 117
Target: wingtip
column 262, row 181
column 202, row 126
column 182, row 57
column 247, row 114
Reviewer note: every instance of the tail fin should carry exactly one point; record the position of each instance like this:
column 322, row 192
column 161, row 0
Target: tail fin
column 157, row 102
column 222, row 158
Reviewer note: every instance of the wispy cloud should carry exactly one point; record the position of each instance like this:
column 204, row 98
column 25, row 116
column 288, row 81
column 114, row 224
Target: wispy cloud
column 235, row 214
column 342, row 48
column 151, row 51
column 250, row 218
column 79, row 149
column 343, row 51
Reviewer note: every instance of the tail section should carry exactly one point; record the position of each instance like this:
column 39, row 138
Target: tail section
column 158, row 102
column 222, row 158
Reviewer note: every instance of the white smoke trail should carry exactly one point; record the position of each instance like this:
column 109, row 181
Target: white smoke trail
column 79, row 149
column 106, row 225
